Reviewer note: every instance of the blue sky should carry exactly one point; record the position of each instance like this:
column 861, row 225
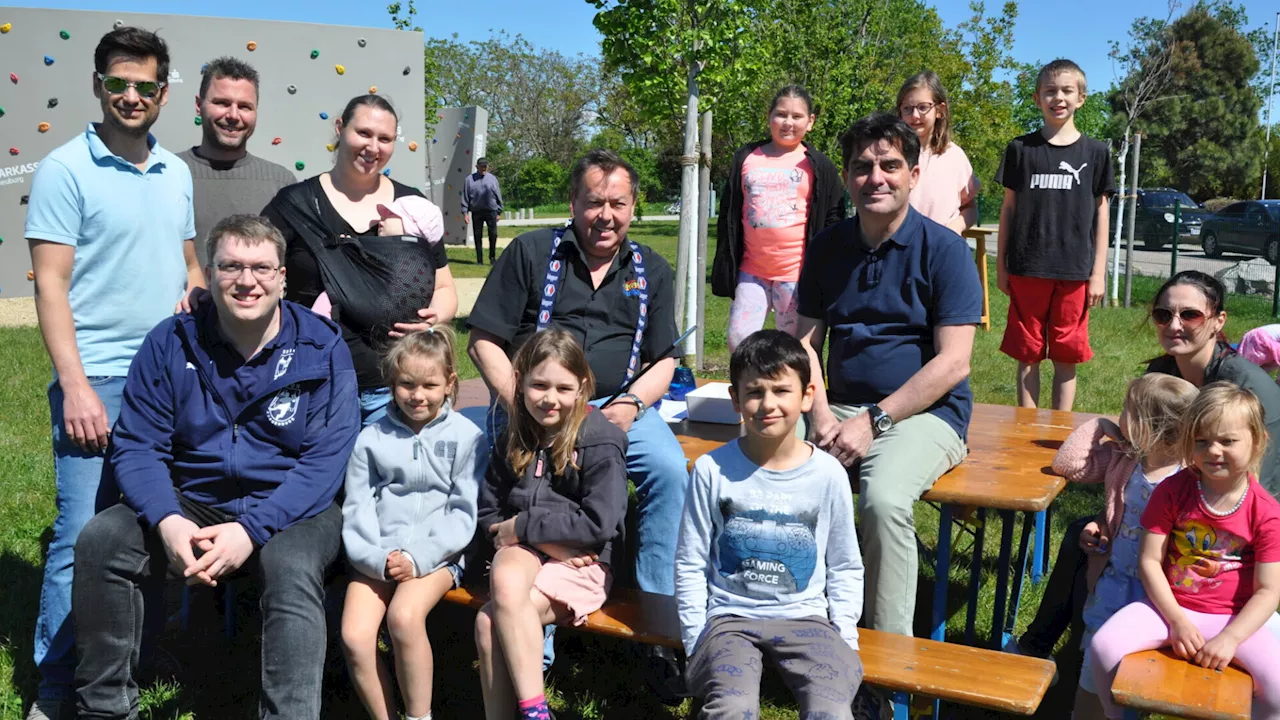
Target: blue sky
column 1044, row 29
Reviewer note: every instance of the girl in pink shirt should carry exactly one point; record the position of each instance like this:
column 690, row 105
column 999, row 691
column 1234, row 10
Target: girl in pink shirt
column 1210, row 557
column 781, row 192
column 947, row 191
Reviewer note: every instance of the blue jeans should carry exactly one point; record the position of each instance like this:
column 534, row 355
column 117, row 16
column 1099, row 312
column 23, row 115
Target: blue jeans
column 657, row 465
column 373, row 405
column 76, row 474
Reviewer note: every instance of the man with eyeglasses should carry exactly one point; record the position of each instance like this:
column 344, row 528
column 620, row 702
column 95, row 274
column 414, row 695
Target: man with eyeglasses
column 104, row 208
column 227, row 179
column 232, row 443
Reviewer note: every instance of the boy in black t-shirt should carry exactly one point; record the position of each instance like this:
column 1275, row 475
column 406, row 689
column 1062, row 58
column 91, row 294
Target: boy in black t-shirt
column 1052, row 252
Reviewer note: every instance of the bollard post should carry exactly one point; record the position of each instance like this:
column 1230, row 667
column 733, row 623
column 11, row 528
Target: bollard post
column 1177, row 229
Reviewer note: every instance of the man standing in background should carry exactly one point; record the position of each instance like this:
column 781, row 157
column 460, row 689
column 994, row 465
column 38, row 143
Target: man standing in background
column 481, row 205
column 226, row 178
column 111, row 232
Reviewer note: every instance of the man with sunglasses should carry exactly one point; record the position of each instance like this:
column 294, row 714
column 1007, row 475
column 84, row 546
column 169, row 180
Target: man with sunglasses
column 227, row 179
column 105, row 207
column 231, row 446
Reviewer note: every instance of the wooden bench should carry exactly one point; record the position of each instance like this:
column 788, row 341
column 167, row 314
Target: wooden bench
column 1157, row 681
column 979, row 234
column 947, row 672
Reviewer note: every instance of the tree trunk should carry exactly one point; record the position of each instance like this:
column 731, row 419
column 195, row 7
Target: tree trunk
column 1133, row 217
column 1118, row 229
column 704, row 214
column 688, row 246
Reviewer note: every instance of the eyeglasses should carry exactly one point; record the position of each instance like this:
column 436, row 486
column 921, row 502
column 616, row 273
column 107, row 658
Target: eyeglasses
column 1191, row 318
column 921, row 109
column 233, row 270
column 118, row 86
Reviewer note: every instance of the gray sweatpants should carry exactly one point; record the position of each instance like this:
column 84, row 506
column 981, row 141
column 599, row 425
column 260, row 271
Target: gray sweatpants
column 819, row 667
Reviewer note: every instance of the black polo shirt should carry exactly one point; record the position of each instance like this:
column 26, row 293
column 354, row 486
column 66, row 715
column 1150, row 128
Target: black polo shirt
column 603, row 319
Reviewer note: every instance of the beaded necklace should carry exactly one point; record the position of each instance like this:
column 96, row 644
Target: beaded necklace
column 1217, row 513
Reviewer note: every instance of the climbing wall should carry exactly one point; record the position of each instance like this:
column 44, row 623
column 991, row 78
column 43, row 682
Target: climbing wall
column 456, row 144
column 308, row 73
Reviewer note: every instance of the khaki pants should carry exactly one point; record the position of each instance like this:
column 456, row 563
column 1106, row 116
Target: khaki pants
column 901, row 465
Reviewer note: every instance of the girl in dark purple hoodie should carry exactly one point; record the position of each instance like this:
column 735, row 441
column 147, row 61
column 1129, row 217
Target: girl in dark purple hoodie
column 553, row 501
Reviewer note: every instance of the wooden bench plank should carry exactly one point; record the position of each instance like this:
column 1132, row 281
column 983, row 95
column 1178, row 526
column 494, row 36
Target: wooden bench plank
column 1157, row 681
column 1010, row 683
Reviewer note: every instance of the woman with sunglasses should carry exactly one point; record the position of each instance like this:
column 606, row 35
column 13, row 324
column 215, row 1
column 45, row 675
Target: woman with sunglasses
column 947, row 191
column 345, row 240
column 1189, row 314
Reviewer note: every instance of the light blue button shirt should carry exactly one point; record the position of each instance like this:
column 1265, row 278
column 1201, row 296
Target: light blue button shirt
column 128, row 226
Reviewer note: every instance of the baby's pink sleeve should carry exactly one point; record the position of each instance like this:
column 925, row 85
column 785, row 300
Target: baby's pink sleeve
column 322, row 306
column 1261, row 346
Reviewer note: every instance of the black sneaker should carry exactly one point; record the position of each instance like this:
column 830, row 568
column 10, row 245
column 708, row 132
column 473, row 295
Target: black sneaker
column 664, row 674
column 868, row 704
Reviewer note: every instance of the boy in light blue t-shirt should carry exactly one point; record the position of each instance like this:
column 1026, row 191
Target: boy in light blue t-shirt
column 767, row 565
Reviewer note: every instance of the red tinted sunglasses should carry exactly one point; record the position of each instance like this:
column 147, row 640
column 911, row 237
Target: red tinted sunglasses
column 1191, row 318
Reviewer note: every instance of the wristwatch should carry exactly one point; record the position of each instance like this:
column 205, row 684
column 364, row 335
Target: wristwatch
column 640, row 406
column 880, row 420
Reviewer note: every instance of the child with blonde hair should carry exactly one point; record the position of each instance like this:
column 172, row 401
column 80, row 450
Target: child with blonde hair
column 1210, row 557
column 409, row 513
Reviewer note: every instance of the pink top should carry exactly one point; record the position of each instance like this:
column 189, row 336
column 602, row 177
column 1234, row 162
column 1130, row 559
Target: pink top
column 775, row 210
column 1210, row 560
column 1261, row 346
column 946, row 183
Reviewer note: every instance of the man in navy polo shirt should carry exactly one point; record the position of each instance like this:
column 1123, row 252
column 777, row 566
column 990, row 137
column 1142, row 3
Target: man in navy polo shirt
column 232, row 443
column 897, row 297
column 111, row 232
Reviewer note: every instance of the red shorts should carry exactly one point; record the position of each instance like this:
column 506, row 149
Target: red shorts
column 1047, row 318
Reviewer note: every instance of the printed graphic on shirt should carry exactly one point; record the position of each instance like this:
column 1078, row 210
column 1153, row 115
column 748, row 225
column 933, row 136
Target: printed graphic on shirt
column 765, row 553
column 282, row 365
column 284, row 406
column 771, row 197
column 1200, row 554
column 1058, row 181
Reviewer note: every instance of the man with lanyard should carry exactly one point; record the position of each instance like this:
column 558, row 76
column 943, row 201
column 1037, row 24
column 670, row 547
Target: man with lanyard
column 897, row 296
column 616, row 297
column 111, row 232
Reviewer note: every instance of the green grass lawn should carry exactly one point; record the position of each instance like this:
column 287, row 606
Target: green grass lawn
column 204, row 675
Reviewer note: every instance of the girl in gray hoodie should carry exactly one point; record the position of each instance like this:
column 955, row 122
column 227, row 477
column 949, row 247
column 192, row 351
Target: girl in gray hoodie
column 410, row 511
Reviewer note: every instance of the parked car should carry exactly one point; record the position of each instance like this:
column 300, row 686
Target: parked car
column 1251, row 227
column 1153, row 226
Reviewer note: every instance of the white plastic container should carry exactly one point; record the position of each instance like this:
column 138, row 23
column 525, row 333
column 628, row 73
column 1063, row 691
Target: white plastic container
column 710, row 403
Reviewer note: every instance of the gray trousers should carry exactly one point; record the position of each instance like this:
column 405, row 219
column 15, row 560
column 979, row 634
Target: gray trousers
column 901, row 465
column 818, row 666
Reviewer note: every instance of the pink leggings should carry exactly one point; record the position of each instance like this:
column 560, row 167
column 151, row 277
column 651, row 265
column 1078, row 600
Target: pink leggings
column 1139, row 626
column 752, row 300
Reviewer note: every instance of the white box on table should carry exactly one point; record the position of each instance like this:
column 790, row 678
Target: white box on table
column 711, row 403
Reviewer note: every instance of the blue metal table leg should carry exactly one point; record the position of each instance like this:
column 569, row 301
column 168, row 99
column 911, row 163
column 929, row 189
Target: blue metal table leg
column 1019, row 572
column 1048, row 532
column 1037, row 560
column 1131, row 714
column 942, row 573
column 902, row 706
column 975, row 576
column 1002, row 576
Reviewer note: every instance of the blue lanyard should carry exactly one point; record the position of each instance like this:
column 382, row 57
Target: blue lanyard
column 555, row 278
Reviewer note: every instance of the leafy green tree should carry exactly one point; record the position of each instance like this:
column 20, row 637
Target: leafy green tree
column 540, row 181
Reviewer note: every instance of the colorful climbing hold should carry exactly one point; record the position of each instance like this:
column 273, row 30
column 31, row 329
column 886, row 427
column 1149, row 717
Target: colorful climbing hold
column 64, row 34
column 361, row 42
column 13, row 78
column 468, row 152
column 48, row 60
column 117, row 25
column 5, row 28
column 315, row 54
column 251, row 46
column 24, row 200
column 53, row 103
column 340, row 70
column 293, row 89
column 331, row 147
column 43, row 127
column 440, row 115
column 373, row 89
column 435, row 140
column 199, row 120
column 300, row 165
column 406, row 70
column 276, row 141
column 324, row 116
column 13, row 151
column 387, row 172
column 1, row 112
column 203, row 68
column 31, row 274
column 413, row 146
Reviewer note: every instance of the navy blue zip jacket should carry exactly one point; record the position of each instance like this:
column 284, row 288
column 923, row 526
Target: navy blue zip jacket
column 265, row 440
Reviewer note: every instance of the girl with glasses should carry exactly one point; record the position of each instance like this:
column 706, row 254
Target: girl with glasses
column 781, row 192
column 947, row 191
